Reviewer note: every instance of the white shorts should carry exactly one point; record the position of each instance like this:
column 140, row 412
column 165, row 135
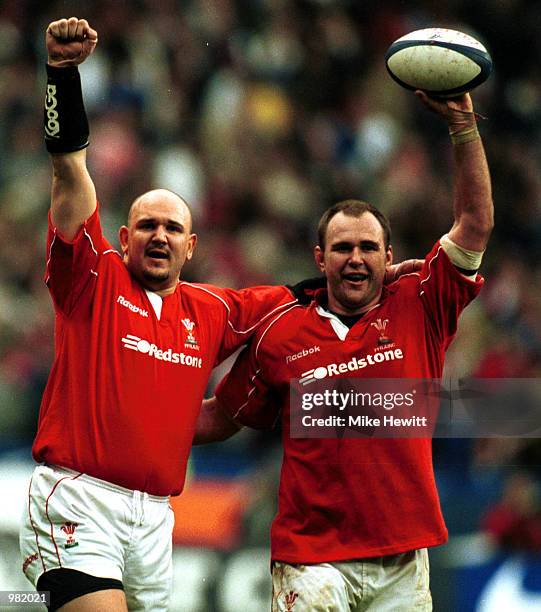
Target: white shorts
column 397, row 583
column 74, row 521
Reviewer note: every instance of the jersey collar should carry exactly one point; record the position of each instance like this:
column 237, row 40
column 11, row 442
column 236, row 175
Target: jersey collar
column 340, row 329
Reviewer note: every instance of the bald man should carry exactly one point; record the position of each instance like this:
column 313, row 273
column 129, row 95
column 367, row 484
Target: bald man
column 135, row 347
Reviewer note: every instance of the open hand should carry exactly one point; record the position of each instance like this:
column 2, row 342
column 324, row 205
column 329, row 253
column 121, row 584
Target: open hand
column 447, row 107
column 457, row 111
column 409, row 266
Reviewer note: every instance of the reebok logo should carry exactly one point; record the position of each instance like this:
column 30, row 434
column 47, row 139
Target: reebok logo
column 52, row 127
column 139, row 345
column 303, row 353
column 127, row 304
column 356, row 363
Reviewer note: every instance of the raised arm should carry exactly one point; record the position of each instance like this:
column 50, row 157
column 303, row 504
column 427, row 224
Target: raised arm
column 473, row 207
column 73, row 196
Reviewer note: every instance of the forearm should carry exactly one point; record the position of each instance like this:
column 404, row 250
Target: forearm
column 473, row 206
column 472, row 203
column 213, row 424
column 73, row 196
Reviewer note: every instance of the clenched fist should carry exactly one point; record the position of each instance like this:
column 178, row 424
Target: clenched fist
column 69, row 41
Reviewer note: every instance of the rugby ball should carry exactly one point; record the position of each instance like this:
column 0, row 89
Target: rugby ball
column 443, row 63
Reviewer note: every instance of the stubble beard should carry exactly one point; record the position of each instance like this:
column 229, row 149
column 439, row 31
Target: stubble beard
column 353, row 301
column 156, row 276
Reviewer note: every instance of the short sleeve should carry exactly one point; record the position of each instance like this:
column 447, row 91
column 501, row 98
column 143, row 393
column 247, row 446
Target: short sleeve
column 71, row 265
column 445, row 292
column 247, row 309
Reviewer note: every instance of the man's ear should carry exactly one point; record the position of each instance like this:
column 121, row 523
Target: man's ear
column 192, row 241
column 123, row 238
column 389, row 257
column 319, row 258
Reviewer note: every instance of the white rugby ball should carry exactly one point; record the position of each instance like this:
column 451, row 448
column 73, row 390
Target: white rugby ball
column 443, row 63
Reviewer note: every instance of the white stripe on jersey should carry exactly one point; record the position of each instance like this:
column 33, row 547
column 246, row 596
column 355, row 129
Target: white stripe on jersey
column 238, row 331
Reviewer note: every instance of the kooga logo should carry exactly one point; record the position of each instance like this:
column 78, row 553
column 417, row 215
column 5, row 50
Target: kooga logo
column 134, row 343
column 52, row 127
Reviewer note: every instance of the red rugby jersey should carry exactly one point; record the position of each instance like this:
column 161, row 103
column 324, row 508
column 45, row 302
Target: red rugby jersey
column 125, row 388
column 353, row 498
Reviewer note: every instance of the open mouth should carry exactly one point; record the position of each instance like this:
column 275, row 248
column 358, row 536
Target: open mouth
column 157, row 254
column 355, row 277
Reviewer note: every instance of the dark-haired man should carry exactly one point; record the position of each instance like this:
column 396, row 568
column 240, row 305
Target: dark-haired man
column 356, row 516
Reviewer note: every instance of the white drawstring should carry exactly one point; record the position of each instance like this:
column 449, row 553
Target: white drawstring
column 139, row 500
column 144, row 501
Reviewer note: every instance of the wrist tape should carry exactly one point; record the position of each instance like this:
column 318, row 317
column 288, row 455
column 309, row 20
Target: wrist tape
column 464, row 136
column 66, row 125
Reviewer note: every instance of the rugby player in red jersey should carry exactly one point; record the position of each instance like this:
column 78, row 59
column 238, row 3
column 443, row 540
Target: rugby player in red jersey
column 355, row 516
column 134, row 350
column 135, row 347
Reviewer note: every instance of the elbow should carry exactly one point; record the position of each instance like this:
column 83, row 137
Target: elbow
column 488, row 222
column 484, row 226
column 481, row 215
column 479, row 223
column 213, row 424
column 480, row 233
column 473, row 231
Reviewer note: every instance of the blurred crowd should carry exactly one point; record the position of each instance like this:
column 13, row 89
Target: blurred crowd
column 262, row 113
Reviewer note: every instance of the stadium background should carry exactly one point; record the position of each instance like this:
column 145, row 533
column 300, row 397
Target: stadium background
column 262, row 113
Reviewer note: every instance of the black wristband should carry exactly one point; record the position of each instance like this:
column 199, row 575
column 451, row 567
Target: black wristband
column 66, row 125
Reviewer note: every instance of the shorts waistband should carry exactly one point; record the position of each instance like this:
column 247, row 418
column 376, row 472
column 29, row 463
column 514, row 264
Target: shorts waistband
column 104, row 484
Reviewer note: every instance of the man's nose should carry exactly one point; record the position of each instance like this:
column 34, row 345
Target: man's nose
column 160, row 235
column 356, row 256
